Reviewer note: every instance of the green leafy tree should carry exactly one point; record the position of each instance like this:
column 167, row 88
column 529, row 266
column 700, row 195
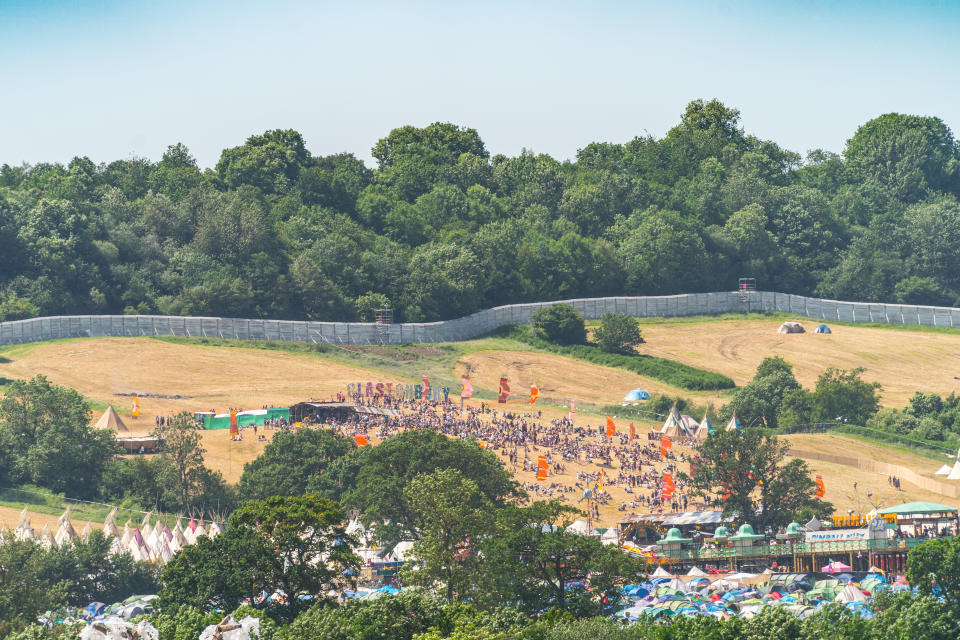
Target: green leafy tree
column 181, row 446
column 385, row 472
column 45, row 430
column 844, row 395
column 618, row 333
column 761, row 400
column 559, row 323
column 533, row 562
column 290, row 462
column 748, row 474
column 449, row 528
column 309, row 543
column 391, row 617
column 934, row 568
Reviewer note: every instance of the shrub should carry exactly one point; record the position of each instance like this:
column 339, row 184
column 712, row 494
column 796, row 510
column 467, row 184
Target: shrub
column 559, row 323
column 618, row 333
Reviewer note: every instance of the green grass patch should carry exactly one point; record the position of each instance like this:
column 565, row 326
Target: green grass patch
column 674, row 373
column 40, row 500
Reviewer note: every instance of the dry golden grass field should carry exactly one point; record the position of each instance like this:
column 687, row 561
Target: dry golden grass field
column 219, row 377
column 903, row 362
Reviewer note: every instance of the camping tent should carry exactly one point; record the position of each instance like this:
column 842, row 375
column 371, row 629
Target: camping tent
column 110, row 420
column 822, row 328
column 636, row 396
column 850, row 594
column 791, row 327
column 704, row 430
column 944, row 470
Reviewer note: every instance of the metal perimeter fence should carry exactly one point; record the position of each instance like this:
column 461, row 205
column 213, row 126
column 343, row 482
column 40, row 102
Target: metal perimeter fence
column 467, row 327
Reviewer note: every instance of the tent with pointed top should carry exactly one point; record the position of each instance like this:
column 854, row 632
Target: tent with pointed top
column 704, row 429
column 954, row 472
column 944, row 470
column 111, row 421
column 674, row 426
column 733, row 425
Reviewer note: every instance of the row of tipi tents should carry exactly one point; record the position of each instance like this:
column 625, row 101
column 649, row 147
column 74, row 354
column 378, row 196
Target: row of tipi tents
column 682, row 426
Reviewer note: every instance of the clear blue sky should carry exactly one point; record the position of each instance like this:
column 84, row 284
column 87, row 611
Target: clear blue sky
column 114, row 79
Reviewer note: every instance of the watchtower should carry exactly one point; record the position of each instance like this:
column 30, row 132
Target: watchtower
column 746, row 287
column 382, row 319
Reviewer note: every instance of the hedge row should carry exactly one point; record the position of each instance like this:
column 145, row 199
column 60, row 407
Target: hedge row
column 674, row 373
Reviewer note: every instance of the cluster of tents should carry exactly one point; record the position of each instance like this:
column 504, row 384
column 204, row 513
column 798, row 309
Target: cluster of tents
column 682, row 426
column 149, row 542
column 746, row 594
column 796, row 327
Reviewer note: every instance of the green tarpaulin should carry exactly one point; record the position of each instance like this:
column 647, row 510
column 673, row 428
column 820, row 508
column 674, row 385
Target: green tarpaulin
column 246, row 418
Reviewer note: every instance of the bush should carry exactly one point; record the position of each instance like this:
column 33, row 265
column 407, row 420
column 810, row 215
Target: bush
column 559, row 323
column 618, row 333
column 673, row 373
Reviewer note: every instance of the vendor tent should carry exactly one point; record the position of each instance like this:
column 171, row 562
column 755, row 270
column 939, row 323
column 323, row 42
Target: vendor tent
column 111, row 421
column 791, row 327
column 822, row 328
column 636, row 395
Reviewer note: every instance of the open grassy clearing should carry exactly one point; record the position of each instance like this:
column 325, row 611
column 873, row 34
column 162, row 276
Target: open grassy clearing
column 902, row 362
column 216, row 376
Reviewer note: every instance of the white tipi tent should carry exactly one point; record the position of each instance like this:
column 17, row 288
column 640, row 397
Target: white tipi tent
column 673, row 426
column 955, row 471
column 111, row 421
column 733, row 425
column 943, row 471
column 703, row 431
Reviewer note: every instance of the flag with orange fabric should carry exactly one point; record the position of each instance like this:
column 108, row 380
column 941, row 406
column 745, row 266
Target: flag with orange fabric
column 665, row 444
column 543, row 468
column 234, row 427
column 504, row 391
column 633, row 432
column 135, row 412
column 426, row 387
column 821, row 488
column 534, row 394
column 361, row 440
column 669, row 486
column 611, row 428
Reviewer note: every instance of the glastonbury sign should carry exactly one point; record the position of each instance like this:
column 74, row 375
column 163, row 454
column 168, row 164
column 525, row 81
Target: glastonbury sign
column 399, row 390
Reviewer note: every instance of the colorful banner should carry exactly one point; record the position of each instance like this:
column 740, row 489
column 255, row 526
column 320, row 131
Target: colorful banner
column 611, row 428
column 669, row 486
column 821, row 488
column 543, row 468
column 534, row 394
column 234, row 427
column 426, row 387
column 136, row 407
column 361, row 440
column 504, row 391
column 633, row 432
column 665, row 444
column 467, row 387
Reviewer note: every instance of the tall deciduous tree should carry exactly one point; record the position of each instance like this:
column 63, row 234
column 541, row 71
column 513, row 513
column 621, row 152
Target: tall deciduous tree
column 749, row 475
column 449, row 527
column 182, row 447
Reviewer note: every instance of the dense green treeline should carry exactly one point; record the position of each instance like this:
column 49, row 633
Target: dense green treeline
column 440, row 228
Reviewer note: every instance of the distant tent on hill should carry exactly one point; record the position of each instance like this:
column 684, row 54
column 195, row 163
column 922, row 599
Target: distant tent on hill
column 791, row 327
column 733, row 425
column 111, row 421
column 822, row 328
column 704, row 430
column 943, row 471
column 637, row 395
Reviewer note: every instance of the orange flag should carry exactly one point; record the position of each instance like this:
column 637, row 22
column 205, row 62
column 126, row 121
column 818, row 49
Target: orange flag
column 361, row 440
column 136, row 407
column 669, row 486
column 633, row 432
column 504, row 391
column 543, row 468
column 821, row 488
column 665, row 443
column 426, row 387
column 234, row 428
column 534, row 394
column 611, row 428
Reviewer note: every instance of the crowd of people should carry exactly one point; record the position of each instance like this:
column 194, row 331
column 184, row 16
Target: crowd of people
column 586, row 468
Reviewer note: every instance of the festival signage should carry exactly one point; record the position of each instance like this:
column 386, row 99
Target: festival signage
column 504, row 391
column 399, row 390
column 837, row 535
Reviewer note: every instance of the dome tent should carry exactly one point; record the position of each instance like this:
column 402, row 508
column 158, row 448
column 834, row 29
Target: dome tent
column 636, row 395
column 822, row 328
column 791, row 327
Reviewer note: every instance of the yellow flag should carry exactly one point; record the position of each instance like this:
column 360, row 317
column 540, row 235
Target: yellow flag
column 136, row 406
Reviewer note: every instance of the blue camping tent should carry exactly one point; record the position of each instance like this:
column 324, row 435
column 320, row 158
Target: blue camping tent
column 636, row 396
column 822, row 329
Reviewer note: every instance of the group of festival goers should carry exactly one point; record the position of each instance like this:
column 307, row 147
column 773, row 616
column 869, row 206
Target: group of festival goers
column 633, row 465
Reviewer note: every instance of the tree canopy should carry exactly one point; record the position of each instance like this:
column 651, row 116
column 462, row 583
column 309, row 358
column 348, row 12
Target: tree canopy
column 441, row 227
